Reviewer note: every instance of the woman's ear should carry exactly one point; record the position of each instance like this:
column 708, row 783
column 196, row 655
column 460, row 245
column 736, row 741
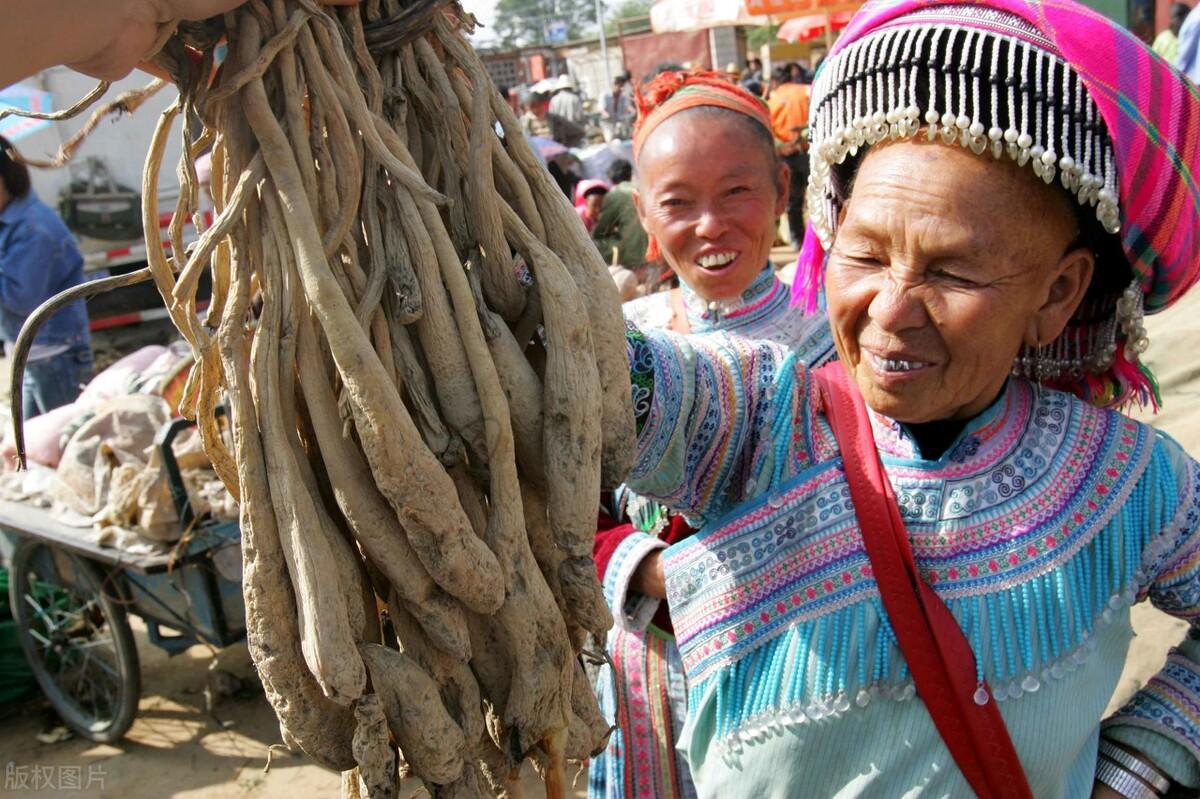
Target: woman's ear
column 1071, row 277
column 783, row 183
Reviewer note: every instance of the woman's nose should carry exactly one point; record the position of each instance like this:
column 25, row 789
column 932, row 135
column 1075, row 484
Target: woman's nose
column 710, row 225
column 897, row 306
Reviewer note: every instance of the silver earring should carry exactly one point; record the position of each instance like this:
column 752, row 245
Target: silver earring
column 1039, row 369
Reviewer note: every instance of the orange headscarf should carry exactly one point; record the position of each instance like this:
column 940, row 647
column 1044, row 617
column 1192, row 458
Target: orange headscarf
column 671, row 92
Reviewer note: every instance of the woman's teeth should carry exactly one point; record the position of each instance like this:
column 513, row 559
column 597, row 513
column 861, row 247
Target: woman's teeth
column 715, row 261
column 896, row 365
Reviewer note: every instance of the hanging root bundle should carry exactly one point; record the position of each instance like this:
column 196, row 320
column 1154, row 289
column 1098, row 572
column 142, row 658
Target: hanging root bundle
column 424, row 361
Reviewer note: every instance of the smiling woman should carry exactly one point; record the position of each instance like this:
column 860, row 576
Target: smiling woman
column 934, row 287
column 714, row 226
column 999, row 189
column 709, row 192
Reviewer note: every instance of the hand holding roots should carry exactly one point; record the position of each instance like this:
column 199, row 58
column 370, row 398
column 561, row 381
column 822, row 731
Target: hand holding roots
column 425, row 403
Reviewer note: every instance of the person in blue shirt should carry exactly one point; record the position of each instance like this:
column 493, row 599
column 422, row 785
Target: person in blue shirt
column 38, row 259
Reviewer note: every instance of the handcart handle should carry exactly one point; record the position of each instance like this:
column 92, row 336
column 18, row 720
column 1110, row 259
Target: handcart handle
column 165, row 442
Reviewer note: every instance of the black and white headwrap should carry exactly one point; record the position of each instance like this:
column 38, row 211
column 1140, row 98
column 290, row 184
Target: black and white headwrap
column 988, row 81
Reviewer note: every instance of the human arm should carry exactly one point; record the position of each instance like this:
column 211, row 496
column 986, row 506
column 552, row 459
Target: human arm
column 649, row 579
column 632, row 532
column 619, row 549
column 1159, row 722
column 102, row 38
column 706, row 407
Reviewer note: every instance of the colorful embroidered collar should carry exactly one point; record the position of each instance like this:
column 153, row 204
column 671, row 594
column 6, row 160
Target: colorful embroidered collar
column 763, row 298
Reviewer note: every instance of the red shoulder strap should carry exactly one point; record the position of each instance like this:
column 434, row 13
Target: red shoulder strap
column 934, row 646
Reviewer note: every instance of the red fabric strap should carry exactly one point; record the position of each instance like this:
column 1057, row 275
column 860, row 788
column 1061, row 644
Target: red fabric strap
column 938, row 654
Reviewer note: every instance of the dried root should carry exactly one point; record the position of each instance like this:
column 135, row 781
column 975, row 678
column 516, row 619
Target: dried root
column 420, row 426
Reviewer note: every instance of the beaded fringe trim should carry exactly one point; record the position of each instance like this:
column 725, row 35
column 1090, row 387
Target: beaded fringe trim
column 981, row 90
column 1023, row 636
column 990, row 93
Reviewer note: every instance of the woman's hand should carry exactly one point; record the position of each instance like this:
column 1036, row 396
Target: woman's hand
column 649, row 579
column 137, row 25
column 102, row 38
column 1102, row 791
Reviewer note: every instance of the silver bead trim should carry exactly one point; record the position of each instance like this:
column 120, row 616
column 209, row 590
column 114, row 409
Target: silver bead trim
column 868, row 94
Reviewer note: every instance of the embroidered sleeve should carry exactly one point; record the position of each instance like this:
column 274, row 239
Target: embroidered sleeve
column 641, row 372
column 631, row 610
column 1163, row 719
column 700, row 404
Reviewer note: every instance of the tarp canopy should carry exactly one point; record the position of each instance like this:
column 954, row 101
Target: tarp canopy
column 667, row 16
column 812, row 26
column 671, row 16
column 793, row 7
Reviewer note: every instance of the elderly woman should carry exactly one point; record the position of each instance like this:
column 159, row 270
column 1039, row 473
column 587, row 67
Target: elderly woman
column 714, row 228
column 998, row 190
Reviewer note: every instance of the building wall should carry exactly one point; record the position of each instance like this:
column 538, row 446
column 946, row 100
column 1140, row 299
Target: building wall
column 726, row 47
column 526, row 65
column 586, row 65
column 644, row 52
column 506, row 69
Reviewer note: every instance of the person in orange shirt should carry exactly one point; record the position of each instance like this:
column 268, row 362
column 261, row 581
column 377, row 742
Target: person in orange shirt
column 788, row 102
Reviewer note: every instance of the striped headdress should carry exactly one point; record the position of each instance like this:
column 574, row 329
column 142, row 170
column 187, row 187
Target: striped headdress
column 669, row 93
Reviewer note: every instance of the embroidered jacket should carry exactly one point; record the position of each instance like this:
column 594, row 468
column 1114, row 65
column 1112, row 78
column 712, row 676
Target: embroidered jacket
column 1039, row 527
column 645, row 698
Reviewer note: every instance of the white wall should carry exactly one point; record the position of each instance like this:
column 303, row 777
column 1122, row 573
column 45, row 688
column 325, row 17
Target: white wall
column 122, row 144
column 587, row 68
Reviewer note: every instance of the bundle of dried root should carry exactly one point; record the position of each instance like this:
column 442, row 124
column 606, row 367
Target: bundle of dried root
column 424, row 360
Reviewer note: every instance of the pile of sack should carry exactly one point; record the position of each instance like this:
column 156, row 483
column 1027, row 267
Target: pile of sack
column 106, row 466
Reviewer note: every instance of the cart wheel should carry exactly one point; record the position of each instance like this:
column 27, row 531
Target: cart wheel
column 76, row 638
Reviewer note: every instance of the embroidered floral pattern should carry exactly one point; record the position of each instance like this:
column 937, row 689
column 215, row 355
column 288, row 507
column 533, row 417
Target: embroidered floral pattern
column 796, row 554
column 1038, row 528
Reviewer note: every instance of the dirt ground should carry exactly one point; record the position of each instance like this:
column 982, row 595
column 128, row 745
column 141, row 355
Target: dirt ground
column 175, row 749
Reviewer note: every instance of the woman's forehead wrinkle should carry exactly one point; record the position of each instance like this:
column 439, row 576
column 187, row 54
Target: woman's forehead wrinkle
column 914, row 224
column 933, row 193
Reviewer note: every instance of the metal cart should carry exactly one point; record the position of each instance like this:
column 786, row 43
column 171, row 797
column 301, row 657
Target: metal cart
column 71, row 600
